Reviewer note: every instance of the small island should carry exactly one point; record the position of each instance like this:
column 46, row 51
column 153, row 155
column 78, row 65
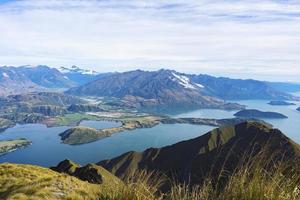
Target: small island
column 280, row 103
column 298, row 109
column 12, row 145
column 253, row 113
column 81, row 134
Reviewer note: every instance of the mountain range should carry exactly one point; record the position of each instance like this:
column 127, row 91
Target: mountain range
column 144, row 88
column 140, row 88
column 168, row 87
column 23, row 79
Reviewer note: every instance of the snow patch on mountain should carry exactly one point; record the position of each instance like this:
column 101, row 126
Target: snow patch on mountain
column 75, row 69
column 185, row 82
column 5, row 75
column 199, row 85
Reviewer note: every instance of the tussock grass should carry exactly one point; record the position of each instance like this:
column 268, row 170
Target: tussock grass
column 251, row 181
column 32, row 182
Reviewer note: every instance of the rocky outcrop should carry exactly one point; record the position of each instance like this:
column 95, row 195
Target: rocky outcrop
column 91, row 173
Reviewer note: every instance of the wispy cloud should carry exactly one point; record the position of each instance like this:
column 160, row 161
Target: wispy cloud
column 259, row 39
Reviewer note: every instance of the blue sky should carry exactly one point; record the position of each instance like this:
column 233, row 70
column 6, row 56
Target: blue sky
column 247, row 39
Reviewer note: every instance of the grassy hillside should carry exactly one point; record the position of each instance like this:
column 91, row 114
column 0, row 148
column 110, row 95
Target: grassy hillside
column 32, row 182
column 208, row 155
column 250, row 182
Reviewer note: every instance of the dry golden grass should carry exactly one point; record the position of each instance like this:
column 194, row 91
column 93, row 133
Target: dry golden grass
column 32, row 182
column 249, row 182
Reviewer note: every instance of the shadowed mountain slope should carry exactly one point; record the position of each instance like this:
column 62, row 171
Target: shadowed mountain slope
column 222, row 149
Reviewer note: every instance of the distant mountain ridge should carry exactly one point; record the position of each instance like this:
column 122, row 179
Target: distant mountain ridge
column 222, row 149
column 82, row 76
column 168, row 87
column 76, row 69
column 227, row 88
column 151, row 88
column 154, row 87
column 23, row 79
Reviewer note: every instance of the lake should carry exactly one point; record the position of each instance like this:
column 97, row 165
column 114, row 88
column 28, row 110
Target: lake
column 47, row 149
column 289, row 126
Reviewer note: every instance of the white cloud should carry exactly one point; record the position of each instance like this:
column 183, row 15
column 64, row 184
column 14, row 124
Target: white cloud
column 258, row 39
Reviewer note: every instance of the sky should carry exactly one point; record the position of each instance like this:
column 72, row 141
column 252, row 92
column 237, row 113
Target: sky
column 244, row 39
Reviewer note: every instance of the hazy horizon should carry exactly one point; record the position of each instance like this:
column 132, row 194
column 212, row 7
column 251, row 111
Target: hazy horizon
column 238, row 39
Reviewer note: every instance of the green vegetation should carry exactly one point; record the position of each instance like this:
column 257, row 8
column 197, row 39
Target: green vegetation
column 70, row 119
column 253, row 113
column 11, row 145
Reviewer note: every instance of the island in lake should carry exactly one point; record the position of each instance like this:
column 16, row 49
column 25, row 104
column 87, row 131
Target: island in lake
column 281, row 103
column 81, row 134
column 12, row 145
column 253, row 113
column 298, row 109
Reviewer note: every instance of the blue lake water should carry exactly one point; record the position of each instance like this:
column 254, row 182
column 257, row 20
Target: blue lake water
column 289, row 126
column 47, row 149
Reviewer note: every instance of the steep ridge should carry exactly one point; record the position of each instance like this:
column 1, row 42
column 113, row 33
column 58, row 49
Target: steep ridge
column 221, row 149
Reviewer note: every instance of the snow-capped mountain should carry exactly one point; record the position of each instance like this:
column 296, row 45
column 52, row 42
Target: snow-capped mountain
column 163, row 87
column 79, row 75
column 168, row 87
column 28, row 78
column 23, row 79
column 75, row 69
column 185, row 81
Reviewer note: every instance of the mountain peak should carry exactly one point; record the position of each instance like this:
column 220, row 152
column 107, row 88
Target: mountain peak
column 221, row 149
